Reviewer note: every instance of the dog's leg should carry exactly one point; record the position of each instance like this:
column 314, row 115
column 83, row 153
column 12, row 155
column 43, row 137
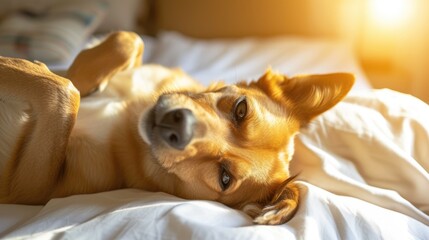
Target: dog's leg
column 280, row 209
column 93, row 67
column 36, row 162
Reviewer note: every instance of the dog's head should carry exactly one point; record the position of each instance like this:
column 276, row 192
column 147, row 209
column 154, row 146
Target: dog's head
column 233, row 144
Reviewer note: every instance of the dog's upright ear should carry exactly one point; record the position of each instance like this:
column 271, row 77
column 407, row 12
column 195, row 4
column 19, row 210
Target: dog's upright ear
column 307, row 95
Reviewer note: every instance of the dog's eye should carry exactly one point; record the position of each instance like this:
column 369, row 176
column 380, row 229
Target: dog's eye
column 224, row 179
column 240, row 109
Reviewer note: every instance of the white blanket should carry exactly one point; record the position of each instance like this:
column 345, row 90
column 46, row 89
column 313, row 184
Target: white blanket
column 373, row 146
column 364, row 175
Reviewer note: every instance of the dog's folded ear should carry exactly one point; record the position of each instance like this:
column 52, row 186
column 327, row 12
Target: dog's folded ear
column 307, row 95
column 280, row 209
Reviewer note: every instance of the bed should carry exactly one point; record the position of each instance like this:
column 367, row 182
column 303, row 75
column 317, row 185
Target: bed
column 363, row 167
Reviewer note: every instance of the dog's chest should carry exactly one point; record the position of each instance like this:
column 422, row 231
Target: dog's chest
column 98, row 117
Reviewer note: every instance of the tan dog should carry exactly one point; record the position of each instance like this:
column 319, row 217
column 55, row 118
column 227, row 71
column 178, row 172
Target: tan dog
column 159, row 132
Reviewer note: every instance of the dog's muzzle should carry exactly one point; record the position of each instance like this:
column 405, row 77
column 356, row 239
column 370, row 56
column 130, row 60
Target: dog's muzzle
column 177, row 127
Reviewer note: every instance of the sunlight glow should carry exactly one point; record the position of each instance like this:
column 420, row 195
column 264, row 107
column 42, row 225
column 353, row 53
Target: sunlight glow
column 390, row 12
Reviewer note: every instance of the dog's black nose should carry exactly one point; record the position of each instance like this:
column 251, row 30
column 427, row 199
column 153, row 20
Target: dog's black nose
column 177, row 127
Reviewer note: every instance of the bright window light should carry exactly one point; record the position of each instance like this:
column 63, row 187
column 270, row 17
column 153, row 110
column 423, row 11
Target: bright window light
column 390, row 12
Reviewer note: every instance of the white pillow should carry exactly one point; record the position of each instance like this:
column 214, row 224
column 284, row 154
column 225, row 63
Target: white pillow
column 52, row 36
column 122, row 15
column 8, row 6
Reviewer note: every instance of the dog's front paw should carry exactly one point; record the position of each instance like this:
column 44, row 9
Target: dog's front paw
column 277, row 214
column 280, row 209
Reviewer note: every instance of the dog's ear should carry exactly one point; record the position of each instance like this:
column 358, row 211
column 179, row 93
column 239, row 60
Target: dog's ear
column 280, row 209
column 307, row 95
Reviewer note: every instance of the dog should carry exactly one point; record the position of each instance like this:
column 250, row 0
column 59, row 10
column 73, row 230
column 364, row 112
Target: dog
column 98, row 128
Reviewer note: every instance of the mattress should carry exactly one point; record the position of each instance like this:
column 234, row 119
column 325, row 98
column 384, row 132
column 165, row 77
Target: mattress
column 363, row 167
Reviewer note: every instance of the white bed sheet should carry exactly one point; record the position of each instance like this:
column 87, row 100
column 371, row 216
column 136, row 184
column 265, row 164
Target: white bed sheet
column 360, row 179
column 246, row 59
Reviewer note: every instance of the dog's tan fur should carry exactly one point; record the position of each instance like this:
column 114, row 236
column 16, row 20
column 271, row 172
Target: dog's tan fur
column 61, row 144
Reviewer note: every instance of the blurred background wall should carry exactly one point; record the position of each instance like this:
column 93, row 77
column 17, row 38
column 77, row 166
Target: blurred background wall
column 394, row 45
